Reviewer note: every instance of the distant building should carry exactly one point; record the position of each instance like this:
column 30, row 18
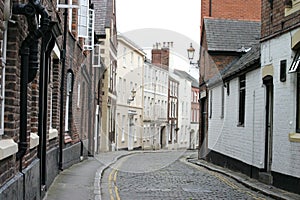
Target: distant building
column 188, row 105
column 130, row 91
column 155, row 106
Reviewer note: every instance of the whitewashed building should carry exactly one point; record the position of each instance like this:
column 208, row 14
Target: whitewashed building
column 129, row 122
column 186, row 134
column 235, row 120
column 155, row 106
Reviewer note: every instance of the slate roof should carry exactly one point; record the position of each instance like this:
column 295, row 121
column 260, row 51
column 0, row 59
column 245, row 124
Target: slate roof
column 248, row 61
column 187, row 76
column 231, row 35
column 103, row 13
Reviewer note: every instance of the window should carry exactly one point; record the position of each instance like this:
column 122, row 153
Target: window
column 123, row 128
column 295, row 63
column 210, row 104
column 298, row 104
column 89, row 41
column 96, row 56
column 69, row 91
column 124, row 57
column 2, row 80
column 291, row 6
column 222, row 102
column 242, row 99
column 283, row 70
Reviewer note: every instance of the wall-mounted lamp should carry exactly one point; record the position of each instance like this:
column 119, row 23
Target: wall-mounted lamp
column 191, row 53
column 133, row 92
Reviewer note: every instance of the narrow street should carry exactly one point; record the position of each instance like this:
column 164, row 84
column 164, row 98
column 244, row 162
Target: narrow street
column 167, row 175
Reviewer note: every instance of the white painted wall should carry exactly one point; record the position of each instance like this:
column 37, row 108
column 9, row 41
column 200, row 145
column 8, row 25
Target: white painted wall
column 245, row 143
column 184, row 112
column 286, row 157
column 155, row 104
column 129, row 76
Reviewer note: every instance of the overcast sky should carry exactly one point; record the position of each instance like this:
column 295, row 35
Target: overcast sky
column 182, row 16
column 146, row 22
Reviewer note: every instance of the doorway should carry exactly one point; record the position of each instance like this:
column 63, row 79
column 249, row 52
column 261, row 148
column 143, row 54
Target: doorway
column 268, row 82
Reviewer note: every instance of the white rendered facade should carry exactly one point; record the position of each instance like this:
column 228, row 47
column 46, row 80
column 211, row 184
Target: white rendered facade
column 129, row 119
column 155, row 106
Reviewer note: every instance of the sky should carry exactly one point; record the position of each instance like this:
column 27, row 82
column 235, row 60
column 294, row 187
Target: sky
column 182, row 16
column 146, row 22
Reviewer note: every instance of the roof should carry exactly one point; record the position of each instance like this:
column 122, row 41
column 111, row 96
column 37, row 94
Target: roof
column 103, row 13
column 131, row 43
column 187, row 76
column 231, row 35
column 247, row 62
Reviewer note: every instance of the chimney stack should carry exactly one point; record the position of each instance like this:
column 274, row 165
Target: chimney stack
column 160, row 55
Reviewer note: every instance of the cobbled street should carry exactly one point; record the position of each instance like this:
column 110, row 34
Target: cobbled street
column 167, row 175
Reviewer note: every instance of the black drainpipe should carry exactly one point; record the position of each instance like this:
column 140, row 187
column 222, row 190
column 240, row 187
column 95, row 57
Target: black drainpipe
column 63, row 66
column 29, row 61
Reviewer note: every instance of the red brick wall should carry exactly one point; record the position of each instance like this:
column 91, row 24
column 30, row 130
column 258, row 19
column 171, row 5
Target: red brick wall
column 274, row 22
column 160, row 57
column 232, row 9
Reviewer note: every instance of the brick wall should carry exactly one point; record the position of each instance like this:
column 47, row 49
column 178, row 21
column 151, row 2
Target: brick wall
column 273, row 20
column 160, row 57
column 231, row 9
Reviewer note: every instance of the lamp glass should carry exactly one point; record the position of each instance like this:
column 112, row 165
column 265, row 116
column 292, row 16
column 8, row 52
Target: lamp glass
column 191, row 52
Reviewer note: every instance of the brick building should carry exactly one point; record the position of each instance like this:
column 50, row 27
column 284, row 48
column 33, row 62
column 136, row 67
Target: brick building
column 221, row 42
column 47, row 96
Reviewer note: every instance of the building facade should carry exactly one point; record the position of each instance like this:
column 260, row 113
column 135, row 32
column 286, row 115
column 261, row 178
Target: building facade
column 44, row 106
column 130, row 90
column 155, row 106
column 214, row 55
column 106, row 40
column 280, row 77
column 188, row 111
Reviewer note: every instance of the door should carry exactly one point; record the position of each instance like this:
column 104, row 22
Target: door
column 268, row 81
column 202, row 144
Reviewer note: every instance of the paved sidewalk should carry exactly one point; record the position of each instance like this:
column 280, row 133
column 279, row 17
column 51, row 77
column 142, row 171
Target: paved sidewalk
column 82, row 181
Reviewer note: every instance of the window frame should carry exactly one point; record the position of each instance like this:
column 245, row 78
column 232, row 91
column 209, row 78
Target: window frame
column 242, row 100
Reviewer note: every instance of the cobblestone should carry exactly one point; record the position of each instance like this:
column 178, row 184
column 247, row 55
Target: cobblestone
column 163, row 176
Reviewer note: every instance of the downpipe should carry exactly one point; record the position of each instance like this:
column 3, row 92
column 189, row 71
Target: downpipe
column 29, row 61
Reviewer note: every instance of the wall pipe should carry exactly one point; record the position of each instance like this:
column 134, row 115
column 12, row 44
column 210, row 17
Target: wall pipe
column 29, row 61
column 63, row 66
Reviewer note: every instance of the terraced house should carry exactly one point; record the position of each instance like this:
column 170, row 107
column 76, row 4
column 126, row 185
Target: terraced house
column 49, row 93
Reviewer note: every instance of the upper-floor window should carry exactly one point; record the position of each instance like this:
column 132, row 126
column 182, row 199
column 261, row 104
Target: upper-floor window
column 291, row 6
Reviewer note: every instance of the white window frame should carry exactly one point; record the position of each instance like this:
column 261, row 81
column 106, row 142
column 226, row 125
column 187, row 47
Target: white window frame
column 97, row 55
column 3, row 62
column 69, row 90
column 83, row 18
column 89, row 41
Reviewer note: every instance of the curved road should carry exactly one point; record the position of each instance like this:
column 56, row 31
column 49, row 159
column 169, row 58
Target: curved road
column 166, row 175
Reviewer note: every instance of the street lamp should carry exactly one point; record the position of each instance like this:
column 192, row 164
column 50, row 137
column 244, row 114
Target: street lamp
column 191, row 53
column 133, row 92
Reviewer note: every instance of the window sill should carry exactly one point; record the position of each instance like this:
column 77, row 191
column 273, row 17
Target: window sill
column 53, row 133
column 34, row 140
column 240, row 125
column 294, row 137
column 7, row 148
